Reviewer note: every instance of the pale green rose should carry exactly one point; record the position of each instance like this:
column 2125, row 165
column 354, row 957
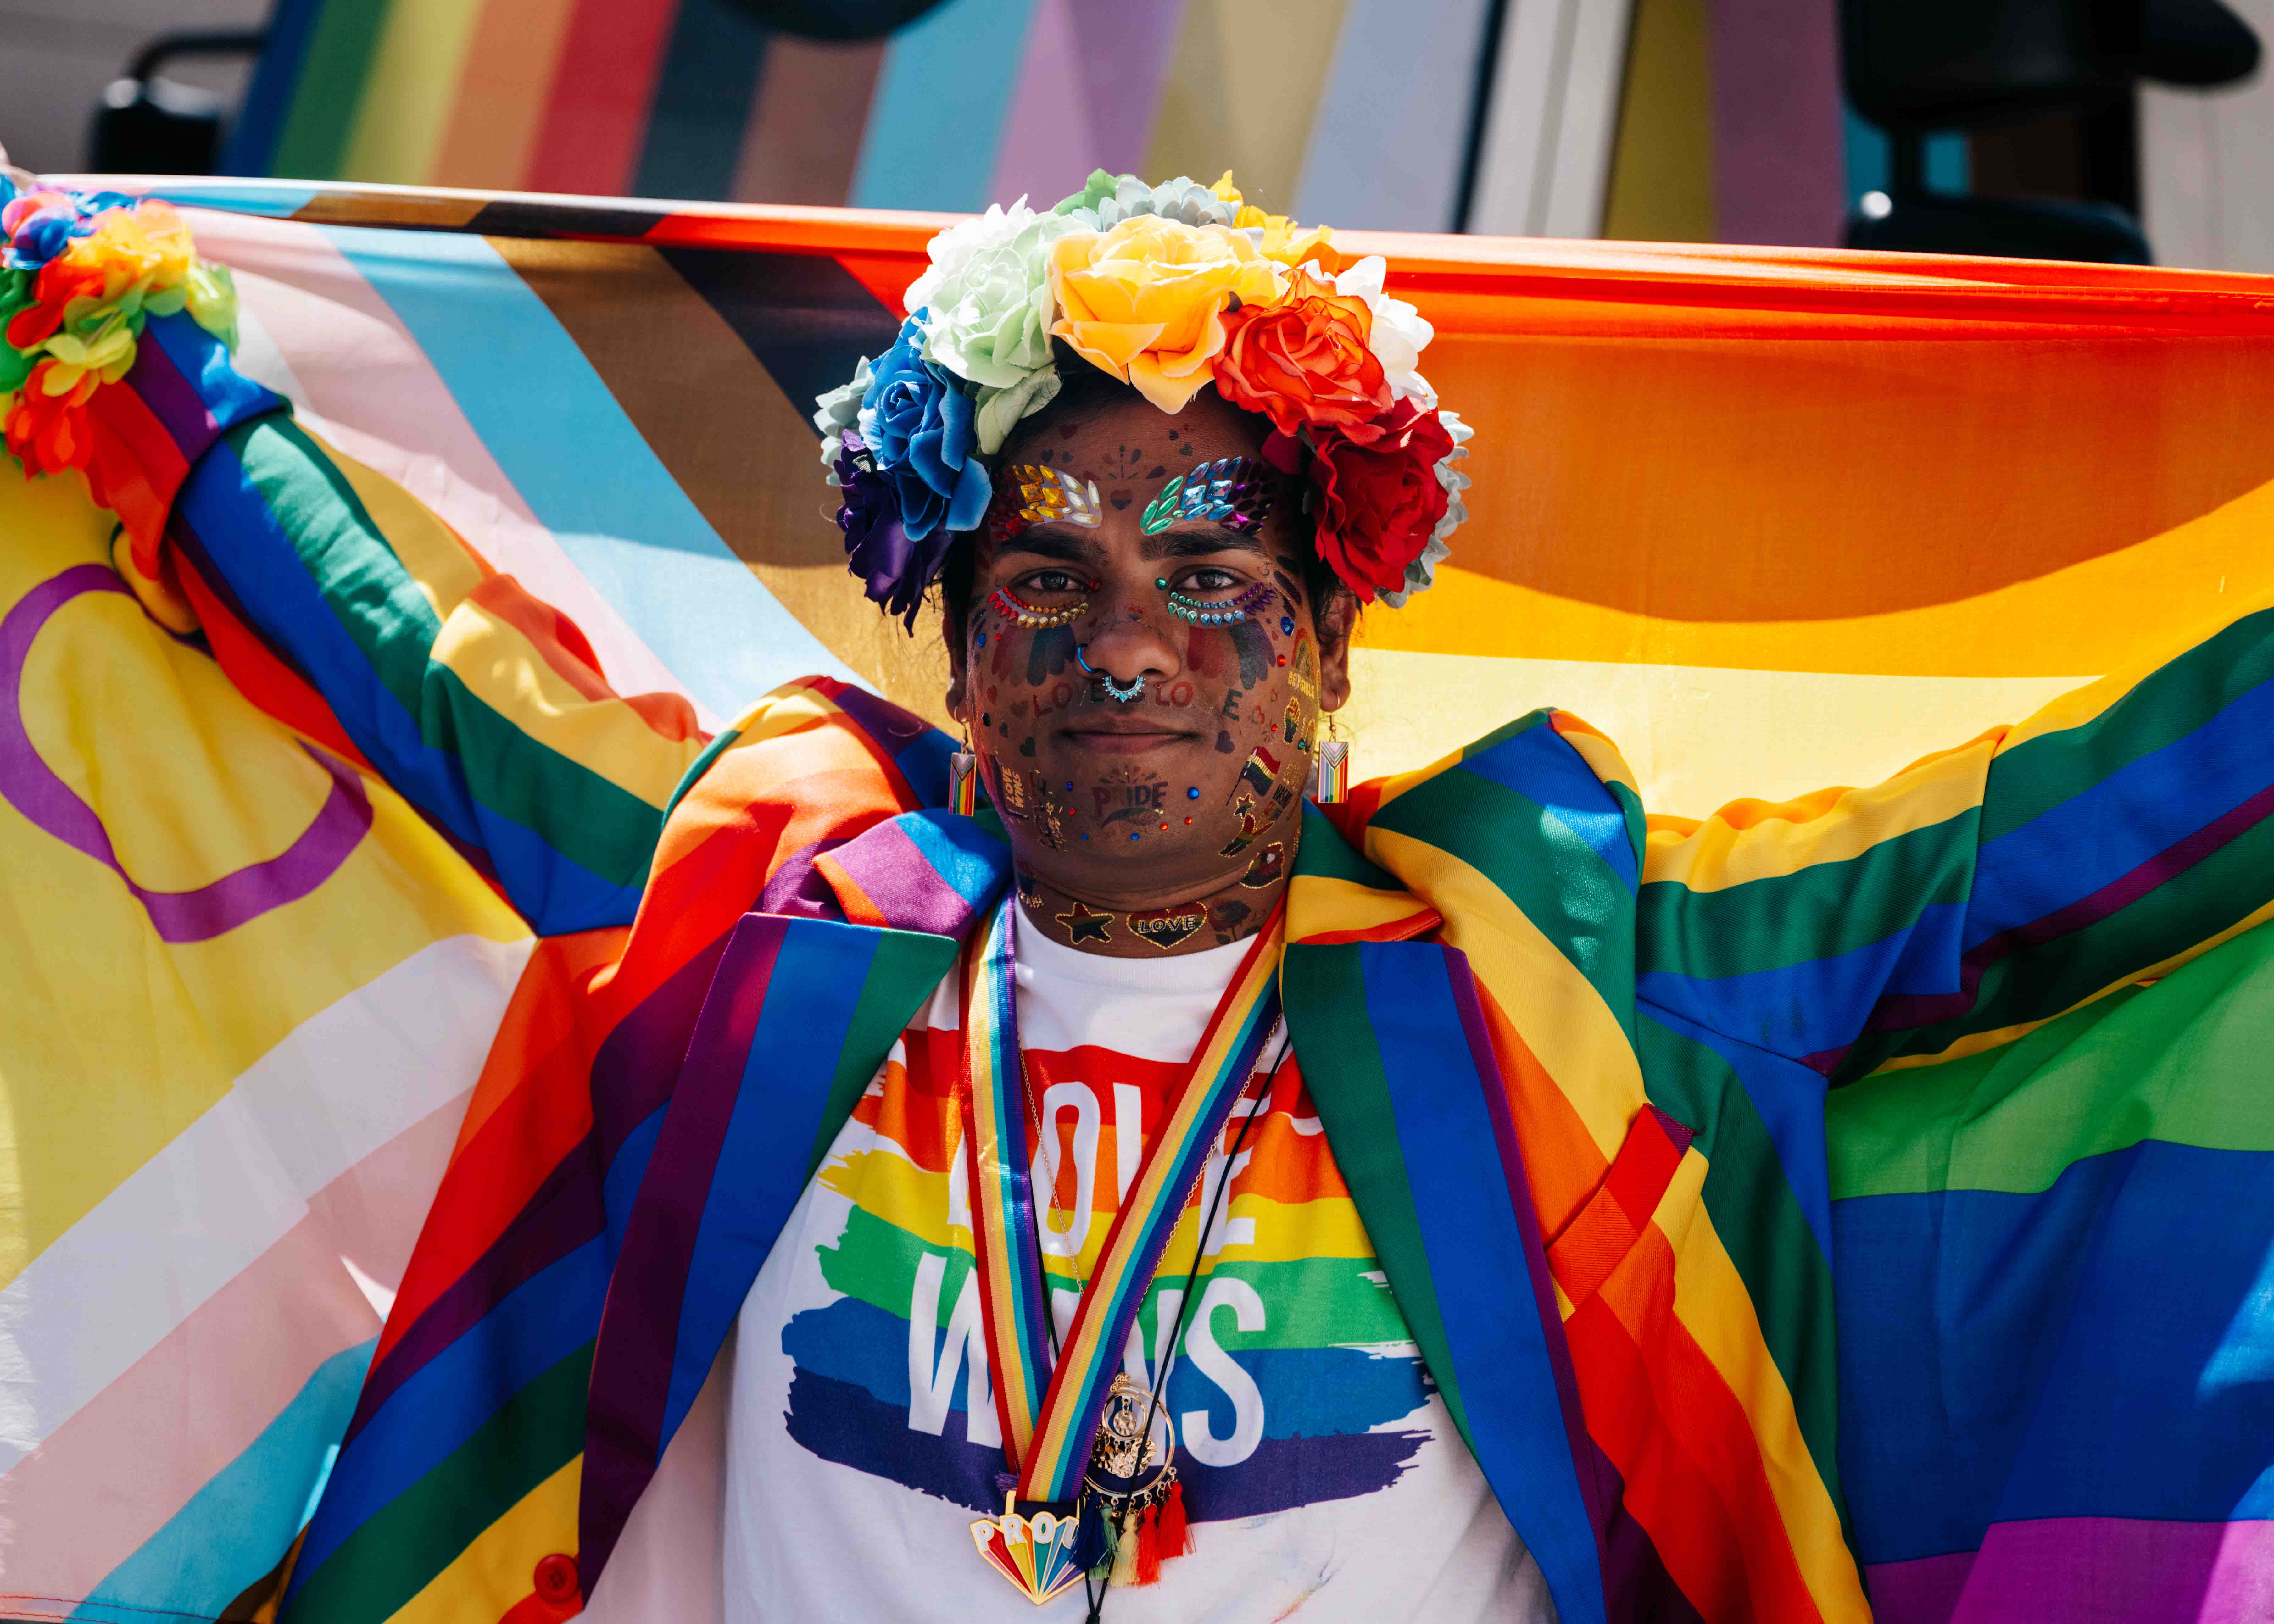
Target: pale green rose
column 1109, row 200
column 986, row 307
column 836, row 411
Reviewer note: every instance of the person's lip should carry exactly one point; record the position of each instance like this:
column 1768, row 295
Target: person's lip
column 1123, row 735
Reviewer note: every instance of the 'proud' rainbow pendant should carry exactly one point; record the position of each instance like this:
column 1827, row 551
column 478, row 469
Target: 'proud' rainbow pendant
column 1035, row 1554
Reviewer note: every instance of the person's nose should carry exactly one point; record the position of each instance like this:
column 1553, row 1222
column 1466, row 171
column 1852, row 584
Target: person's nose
column 1136, row 634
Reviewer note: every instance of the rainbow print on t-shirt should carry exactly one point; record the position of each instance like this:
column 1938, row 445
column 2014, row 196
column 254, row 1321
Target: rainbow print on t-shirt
column 1296, row 1381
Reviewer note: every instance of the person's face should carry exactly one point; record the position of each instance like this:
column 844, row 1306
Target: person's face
column 1196, row 784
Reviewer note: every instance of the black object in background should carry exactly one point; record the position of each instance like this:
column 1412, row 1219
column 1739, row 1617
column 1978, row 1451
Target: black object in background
column 148, row 125
column 836, row 19
column 2047, row 90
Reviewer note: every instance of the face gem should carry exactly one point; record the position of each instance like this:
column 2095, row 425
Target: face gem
column 1233, row 492
column 1286, row 624
column 1262, row 770
column 1028, row 493
column 1082, row 925
column 1165, row 928
column 1193, row 793
column 1269, row 864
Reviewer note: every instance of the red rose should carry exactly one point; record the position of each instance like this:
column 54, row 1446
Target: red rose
column 1304, row 361
column 49, row 432
column 1379, row 501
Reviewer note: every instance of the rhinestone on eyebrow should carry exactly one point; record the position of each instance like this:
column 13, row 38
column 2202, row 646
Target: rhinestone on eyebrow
column 1233, row 492
column 1028, row 493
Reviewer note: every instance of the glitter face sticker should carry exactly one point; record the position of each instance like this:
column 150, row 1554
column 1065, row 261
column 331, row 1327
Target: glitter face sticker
column 1269, row 864
column 1167, row 928
column 1028, row 493
column 1260, row 773
column 1128, row 796
column 1082, row 925
column 1233, row 492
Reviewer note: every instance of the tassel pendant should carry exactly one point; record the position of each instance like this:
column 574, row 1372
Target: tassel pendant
column 1331, row 770
column 1125, row 1551
column 963, row 783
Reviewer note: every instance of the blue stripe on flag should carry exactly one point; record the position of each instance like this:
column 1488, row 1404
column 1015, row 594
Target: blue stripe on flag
column 584, row 469
column 233, row 1531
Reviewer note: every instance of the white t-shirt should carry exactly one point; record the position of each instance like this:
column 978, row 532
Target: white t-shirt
column 1322, row 1471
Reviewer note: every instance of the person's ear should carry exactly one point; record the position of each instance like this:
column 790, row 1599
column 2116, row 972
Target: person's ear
column 955, row 670
column 1337, row 619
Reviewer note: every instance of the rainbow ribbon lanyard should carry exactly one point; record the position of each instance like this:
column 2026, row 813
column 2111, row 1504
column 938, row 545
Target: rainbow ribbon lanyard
column 1047, row 1434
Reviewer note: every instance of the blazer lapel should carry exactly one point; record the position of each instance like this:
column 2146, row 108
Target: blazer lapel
column 1395, row 1051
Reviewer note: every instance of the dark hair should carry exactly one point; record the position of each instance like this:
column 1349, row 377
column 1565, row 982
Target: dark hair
column 1083, row 391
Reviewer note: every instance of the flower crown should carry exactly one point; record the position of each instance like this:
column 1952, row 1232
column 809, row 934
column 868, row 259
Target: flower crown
column 1171, row 289
column 81, row 273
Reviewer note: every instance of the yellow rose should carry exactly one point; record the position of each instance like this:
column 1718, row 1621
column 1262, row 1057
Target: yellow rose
column 1145, row 301
column 1281, row 239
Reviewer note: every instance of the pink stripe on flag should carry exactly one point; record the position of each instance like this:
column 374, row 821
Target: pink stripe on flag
column 369, row 388
column 2089, row 1570
column 1089, row 91
column 109, row 1479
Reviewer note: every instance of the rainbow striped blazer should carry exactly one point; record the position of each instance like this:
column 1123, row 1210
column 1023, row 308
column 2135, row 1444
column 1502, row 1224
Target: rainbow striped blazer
column 1787, row 1204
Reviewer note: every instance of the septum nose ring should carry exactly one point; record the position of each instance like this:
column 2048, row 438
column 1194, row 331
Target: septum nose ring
column 1120, row 693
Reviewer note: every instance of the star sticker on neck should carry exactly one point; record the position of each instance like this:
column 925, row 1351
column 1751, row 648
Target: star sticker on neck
column 1082, row 925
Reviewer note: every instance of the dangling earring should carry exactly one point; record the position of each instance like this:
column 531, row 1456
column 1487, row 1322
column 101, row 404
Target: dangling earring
column 963, row 778
column 1330, row 767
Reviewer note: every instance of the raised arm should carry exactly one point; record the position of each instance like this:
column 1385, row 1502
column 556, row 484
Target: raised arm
column 2117, row 833
column 482, row 706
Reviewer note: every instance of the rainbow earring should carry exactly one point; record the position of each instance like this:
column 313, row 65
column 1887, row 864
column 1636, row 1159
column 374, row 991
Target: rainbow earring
column 1330, row 767
column 963, row 779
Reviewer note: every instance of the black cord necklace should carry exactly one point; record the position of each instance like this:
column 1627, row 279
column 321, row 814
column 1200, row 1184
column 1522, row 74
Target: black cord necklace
column 1094, row 1590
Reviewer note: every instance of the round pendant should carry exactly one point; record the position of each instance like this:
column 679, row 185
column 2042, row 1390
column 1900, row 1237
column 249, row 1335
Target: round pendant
column 1125, row 1457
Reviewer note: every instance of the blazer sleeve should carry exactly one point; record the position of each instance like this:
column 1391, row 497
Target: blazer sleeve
column 2119, row 832
column 344, row 606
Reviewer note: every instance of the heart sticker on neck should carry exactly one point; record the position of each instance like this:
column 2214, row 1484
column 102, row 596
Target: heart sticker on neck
column 1165, row 928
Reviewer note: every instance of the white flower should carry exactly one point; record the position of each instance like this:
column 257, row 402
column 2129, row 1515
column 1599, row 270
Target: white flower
column 1421, row 574
column 1400, row 335
column 986, row 308
column 839, row 410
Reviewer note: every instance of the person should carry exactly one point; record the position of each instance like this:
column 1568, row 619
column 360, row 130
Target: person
column 1080, row 1166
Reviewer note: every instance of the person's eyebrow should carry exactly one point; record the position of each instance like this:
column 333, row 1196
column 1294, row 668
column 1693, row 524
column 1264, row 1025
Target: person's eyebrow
column 1202, row 543
column 1049, row 542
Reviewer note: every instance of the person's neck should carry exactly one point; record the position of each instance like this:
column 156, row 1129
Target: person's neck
column 1232, row 909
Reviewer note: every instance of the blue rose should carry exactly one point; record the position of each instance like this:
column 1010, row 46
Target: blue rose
column 920, row 427
column 41, row 239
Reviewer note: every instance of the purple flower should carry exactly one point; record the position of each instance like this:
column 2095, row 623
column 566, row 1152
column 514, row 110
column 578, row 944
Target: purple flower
column 918, row 427
column 895, row 567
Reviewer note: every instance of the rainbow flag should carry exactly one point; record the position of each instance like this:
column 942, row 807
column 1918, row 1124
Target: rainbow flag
column 1727, row 452
column 1357, row 109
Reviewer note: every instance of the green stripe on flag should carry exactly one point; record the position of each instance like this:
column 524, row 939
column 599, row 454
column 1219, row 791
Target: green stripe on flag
column 2183, row 1061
